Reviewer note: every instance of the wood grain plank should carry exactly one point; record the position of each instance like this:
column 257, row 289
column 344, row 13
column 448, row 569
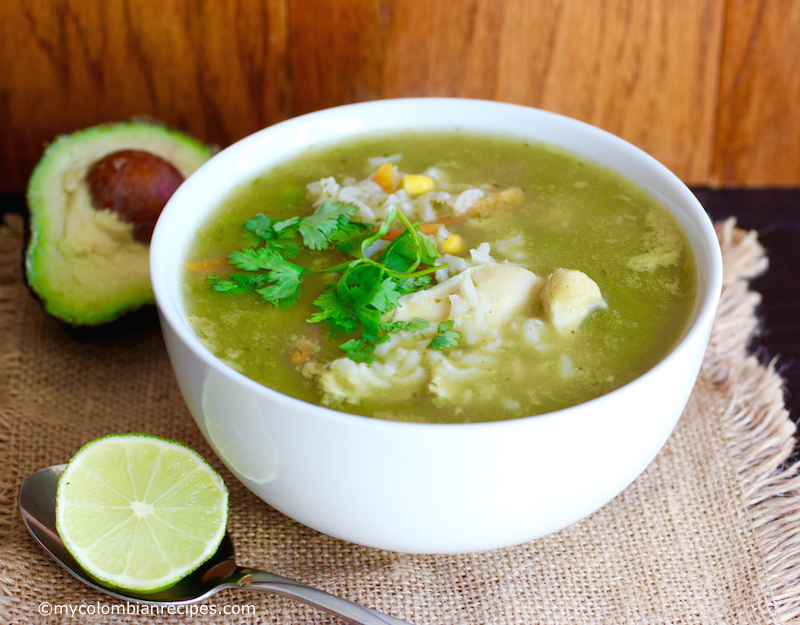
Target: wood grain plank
column 758, row 134
column 216, row 69
column 646, row 71
column 650, row 71
column 336, row 52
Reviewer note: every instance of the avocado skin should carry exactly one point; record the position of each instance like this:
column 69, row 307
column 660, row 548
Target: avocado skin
column 133, row 321
column 84, row 265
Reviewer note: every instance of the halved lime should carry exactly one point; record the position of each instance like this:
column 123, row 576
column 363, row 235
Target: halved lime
column 140, row 512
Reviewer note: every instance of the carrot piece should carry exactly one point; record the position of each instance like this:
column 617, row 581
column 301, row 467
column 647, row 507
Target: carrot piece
column 211, row 265
column 430, row 228
column 385, row 176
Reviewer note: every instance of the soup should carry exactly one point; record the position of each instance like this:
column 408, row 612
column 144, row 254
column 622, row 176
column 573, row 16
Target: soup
column 440, row 277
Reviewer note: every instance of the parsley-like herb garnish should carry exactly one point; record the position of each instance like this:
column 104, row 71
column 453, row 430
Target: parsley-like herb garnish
column 446, row 337
column 361, row 349
column 278, row 285
column 366, row 289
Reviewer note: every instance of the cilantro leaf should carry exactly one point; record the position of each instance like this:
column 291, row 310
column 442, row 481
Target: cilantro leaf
column 327, row 225
column 414, row 325
column 411, row 285
column 366, row 288
column 331, row 217
column 339, row 316
column 286, row 224
column 255, row 258
column 363, row 288
column 238, row 283
column 361, row 349
column 446, row 336
column 370, row 318
column 349, row 237
column 286, row 275
column 385, row 295
column 408, row 251
column 263, row 227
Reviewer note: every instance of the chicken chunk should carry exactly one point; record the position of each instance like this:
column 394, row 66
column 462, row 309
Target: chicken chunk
column 500, row 291
column 568, row 297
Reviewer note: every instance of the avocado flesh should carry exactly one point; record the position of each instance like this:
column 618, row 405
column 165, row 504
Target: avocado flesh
column 84, row 264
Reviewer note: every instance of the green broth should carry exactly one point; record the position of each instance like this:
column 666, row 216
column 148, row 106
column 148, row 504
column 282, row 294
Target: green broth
column 576, row 215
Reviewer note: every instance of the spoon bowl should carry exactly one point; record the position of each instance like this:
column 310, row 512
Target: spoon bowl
column 37, row 508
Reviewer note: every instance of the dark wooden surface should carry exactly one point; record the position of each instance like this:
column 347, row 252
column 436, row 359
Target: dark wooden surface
column 775, row 214
column 708, row 87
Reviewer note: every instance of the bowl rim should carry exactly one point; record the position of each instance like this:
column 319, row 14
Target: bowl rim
column 168, row 298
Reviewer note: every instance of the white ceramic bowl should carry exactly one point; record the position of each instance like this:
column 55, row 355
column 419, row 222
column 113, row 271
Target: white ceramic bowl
column 428, row 488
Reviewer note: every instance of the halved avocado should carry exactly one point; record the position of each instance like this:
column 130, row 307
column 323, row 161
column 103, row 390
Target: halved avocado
column 87, row 257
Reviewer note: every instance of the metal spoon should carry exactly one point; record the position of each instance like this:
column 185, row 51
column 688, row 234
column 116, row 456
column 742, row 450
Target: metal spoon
column 37, row 507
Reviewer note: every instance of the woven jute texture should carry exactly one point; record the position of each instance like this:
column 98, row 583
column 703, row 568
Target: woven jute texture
column 707, row 534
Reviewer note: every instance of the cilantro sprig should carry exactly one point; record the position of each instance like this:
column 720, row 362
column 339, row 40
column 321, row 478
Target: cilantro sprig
column 361, row 349
column 366, row 287
column 278, row 284
column 445, row 336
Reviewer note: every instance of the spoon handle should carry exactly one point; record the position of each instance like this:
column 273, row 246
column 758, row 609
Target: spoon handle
column 254, row 579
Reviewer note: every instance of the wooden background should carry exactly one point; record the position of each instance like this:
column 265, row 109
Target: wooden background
column 709, row 87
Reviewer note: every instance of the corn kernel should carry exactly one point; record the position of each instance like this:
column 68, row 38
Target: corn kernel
column 416, row 185
column 453, row 244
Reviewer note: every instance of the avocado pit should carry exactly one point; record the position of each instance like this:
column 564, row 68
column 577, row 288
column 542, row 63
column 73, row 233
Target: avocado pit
column 93, row 200
column 134, row 184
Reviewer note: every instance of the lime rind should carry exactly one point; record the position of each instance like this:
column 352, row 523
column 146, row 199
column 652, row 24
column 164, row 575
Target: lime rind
column 139, row 512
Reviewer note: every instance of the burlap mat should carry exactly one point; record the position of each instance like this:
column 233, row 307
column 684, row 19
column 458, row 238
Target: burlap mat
column 708, row 534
